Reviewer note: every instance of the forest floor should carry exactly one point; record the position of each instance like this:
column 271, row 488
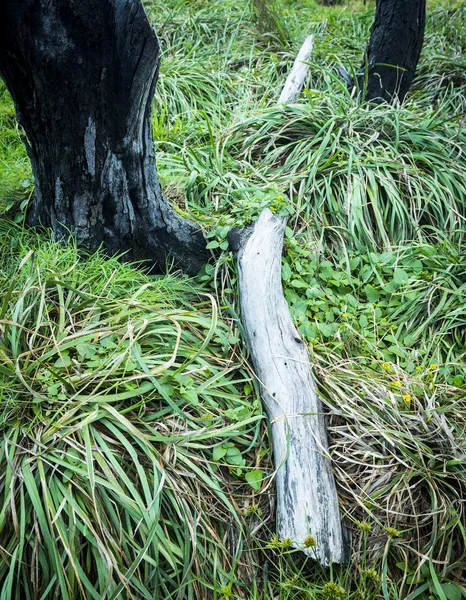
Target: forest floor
column 134, row 453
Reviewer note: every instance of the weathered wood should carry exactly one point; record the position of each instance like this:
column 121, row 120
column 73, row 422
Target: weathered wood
column 82, row 75
column 295, row 80
column 307, row 502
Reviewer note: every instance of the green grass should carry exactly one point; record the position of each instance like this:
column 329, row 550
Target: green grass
column 119, row 394
column 135, row 458
column 15, row 169
column 380, row 175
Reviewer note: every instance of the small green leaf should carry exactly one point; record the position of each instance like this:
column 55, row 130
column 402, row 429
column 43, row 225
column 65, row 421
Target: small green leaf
column 85, row 350
column 326, row 330
column 372, row 294
column 398, row 351
column 106, row 342
column 299, row 283
column 63, row 361
column 286, row 272
column 309, row 330
column 254, row 478
column 354, row 262
column 222, row 231
column 191, row 395
column 219, row 452
column 400, row 276
column 458, row 381
column 234, row 457
column 387, row 257
column 53, row 390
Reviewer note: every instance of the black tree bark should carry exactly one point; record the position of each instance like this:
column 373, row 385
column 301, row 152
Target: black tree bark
column 82, row 74
column 393, row 51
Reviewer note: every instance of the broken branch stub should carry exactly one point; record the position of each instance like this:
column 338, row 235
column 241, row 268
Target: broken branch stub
column 297, row 76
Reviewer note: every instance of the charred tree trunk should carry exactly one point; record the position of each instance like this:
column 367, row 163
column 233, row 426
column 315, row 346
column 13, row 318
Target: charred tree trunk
column 82, row 74
column 393, row 51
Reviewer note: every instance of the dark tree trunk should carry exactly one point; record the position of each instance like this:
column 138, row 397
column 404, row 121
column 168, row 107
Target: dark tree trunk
column 393, row 51
column 82, row 74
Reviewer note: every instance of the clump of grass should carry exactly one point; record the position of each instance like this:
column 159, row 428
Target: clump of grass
column 126, row 431
column 397, row 444
column 268, row 21
column 382, row 175
column 188, row 86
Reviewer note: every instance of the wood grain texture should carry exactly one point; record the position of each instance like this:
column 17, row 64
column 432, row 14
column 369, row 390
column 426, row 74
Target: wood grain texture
column 295, row 80
column 307, row 502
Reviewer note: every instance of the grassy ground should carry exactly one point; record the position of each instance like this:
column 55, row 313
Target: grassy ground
column 135, row 455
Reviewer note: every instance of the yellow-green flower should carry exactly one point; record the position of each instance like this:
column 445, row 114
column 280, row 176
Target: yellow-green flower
column 397, row 383
column 333, row 589
column 372, row 575
column 254, row 509
column 310, row 541
column 366, row 526
column 433, row 366
column 283, row 544
column 392, row 532
column 406, row 398
column 291, row 583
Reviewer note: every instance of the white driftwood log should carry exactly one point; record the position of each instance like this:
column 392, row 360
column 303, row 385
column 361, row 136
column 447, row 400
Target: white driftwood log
column 295, row 80
column 307, row 502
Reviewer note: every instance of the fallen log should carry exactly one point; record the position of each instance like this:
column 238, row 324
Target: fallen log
column 307, row 502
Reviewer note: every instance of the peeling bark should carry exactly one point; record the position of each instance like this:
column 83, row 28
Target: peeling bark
column 393, row 51
column 82, row 74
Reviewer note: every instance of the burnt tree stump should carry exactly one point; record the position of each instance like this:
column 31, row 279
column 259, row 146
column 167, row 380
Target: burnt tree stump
column 393, row 51
column 82, row 74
